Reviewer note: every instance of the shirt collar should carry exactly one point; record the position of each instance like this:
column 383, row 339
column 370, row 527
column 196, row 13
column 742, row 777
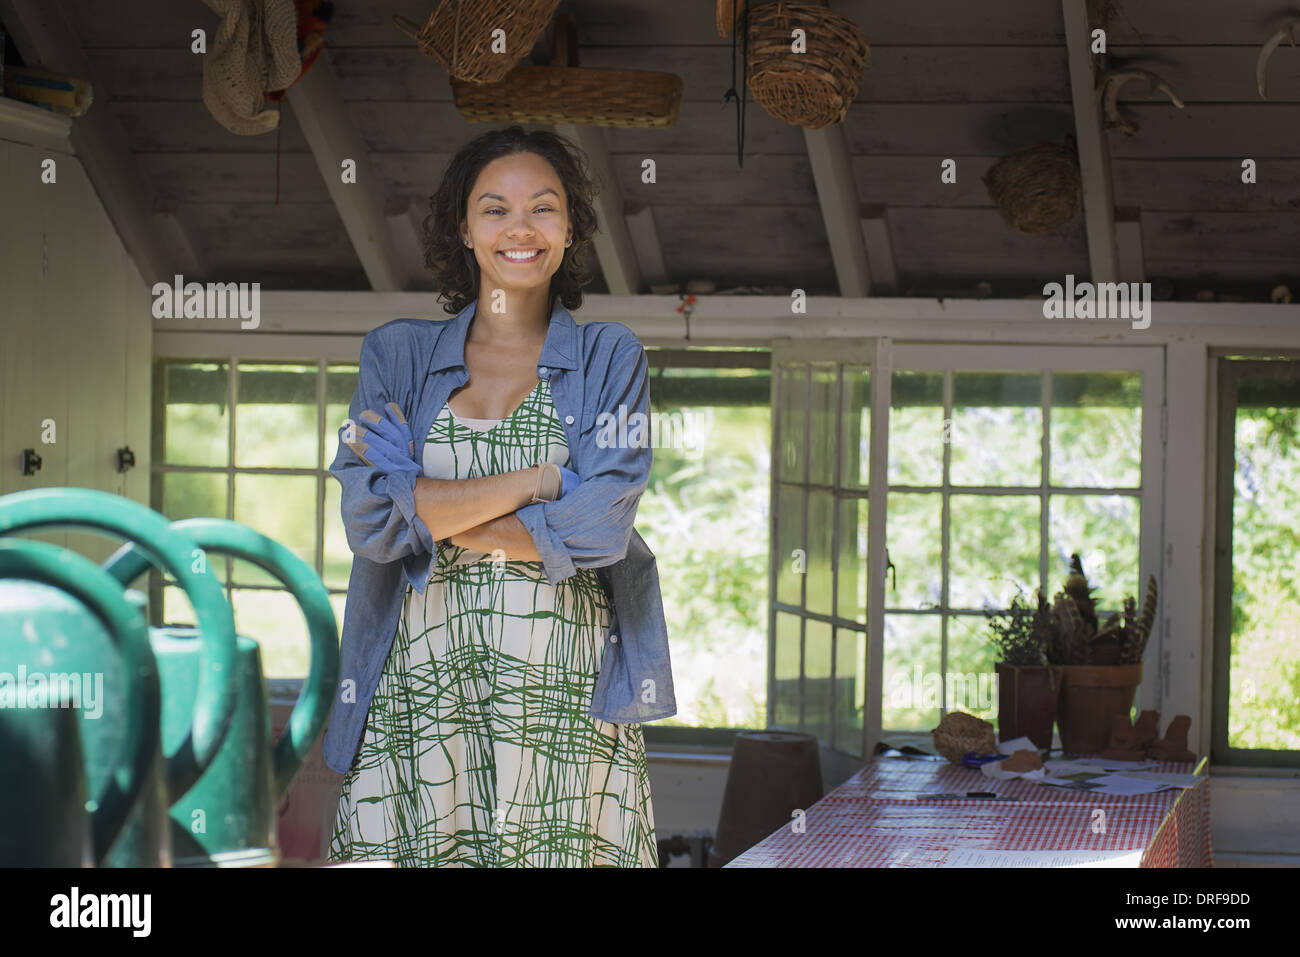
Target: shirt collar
column 559, row 350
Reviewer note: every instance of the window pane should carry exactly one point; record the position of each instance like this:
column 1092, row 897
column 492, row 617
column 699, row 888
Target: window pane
column 997, row 429
column 822, row 424
column 852, row 594
column 916, row 429
column 820, row 523
column 970, row 683
column 1264, row 663
column 706, row 518
column 193, row 495
column 1104, row 531
column 817, row 679
column 915, row 547
column 855, row 427
column 913, row 688
column 282, row 507
column 794, row 399
column 275, row 423
column 1097, row 429
column 994, row 549
column 786, row 663
column 275, row 621
column 196, row 415
column 789, row 539
column 338, row 555
column 177, row 609
column 340, row 386
column 338, row 601
column 850, row 689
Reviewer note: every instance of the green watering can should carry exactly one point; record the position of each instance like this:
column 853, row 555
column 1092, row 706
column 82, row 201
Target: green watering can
column 45, row 631
column 229, row 817
column 146, row 839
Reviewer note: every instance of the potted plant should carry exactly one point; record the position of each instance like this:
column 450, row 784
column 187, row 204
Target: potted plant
column 1028, row 685
column 1101, row 662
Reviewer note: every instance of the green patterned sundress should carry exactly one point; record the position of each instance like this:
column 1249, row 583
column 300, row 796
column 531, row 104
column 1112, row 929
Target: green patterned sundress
column 478, row 749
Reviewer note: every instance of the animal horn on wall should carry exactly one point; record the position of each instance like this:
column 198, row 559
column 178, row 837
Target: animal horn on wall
column 1111, row 83
column 1289, row 32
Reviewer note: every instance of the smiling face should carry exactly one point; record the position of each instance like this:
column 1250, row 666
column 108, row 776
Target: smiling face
column 517, row 223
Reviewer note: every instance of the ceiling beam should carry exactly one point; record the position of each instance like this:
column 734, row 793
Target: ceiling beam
column 880, row 250
column 154, row 241
column 1094, row 150
column 837, row 194
column 613, row 242
column 403, row 219
column 645, row 241
column 318, row 106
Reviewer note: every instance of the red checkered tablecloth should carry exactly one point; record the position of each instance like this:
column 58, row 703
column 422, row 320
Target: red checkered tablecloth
column 874, row 819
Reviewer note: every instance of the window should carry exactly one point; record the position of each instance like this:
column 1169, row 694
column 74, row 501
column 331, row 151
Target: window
column 1257, row 554
column 251, row 441
column 999, row 463
column 705, row 515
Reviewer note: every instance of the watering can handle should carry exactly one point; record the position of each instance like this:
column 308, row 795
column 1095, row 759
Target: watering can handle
column 118, row 517
column 222, row 536
column 85, row 581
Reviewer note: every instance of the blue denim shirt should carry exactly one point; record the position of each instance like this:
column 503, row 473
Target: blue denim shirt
column 593, row 368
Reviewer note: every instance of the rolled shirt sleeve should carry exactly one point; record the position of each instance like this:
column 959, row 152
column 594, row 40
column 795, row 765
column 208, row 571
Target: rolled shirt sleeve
column 378, row 509
column 592, row 525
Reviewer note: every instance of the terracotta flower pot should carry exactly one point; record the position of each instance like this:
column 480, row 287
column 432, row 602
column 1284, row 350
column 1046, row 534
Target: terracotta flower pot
column 1027, row 699
column 1091, row 697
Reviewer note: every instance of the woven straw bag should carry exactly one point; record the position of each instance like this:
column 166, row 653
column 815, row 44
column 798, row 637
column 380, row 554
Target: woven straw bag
column 814, row 88
column 459, row 35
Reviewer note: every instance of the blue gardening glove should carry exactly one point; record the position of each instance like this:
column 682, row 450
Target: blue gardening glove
column 392, row 427
column 569, row 482
column 377, row 451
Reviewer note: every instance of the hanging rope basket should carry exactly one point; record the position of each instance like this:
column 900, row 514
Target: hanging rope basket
column 567, row 93
column 458, row 34
column 1037, row 188
column 812, row 88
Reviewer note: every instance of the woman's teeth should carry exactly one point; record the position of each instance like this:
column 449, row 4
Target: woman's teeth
column 522, row 257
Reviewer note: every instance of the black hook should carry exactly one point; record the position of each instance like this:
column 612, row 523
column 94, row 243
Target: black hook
column 31, row 462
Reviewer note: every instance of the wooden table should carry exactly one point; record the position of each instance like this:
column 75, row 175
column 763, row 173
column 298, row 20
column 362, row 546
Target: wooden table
column 874, row 819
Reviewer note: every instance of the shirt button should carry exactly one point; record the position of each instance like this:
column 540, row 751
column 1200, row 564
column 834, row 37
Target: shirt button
column 542, row 370
column 614, row 638
column 568, row 420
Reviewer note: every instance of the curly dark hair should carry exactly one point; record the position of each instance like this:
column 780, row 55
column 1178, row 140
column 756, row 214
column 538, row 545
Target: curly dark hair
column 456, row 271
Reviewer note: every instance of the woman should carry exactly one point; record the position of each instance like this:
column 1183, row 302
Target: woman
column 503, row 637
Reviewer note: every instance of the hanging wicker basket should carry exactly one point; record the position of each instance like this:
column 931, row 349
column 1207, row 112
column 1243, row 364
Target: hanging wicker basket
column 725, row 11
column 562, row 93
column 458, row 34
column 1037, row 188
column 812, row 88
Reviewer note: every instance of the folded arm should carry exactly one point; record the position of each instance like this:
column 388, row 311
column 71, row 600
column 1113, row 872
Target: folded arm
column 591, row 526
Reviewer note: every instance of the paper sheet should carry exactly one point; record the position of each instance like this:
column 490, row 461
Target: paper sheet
column 994, row 770
column 1119, row 784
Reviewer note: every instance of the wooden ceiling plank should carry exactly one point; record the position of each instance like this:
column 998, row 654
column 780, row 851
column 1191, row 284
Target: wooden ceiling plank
column 1128, row 244
column 1094, row 150
column 613, row 243
column 837, row 195
column 317, row 102
column 157, row 246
